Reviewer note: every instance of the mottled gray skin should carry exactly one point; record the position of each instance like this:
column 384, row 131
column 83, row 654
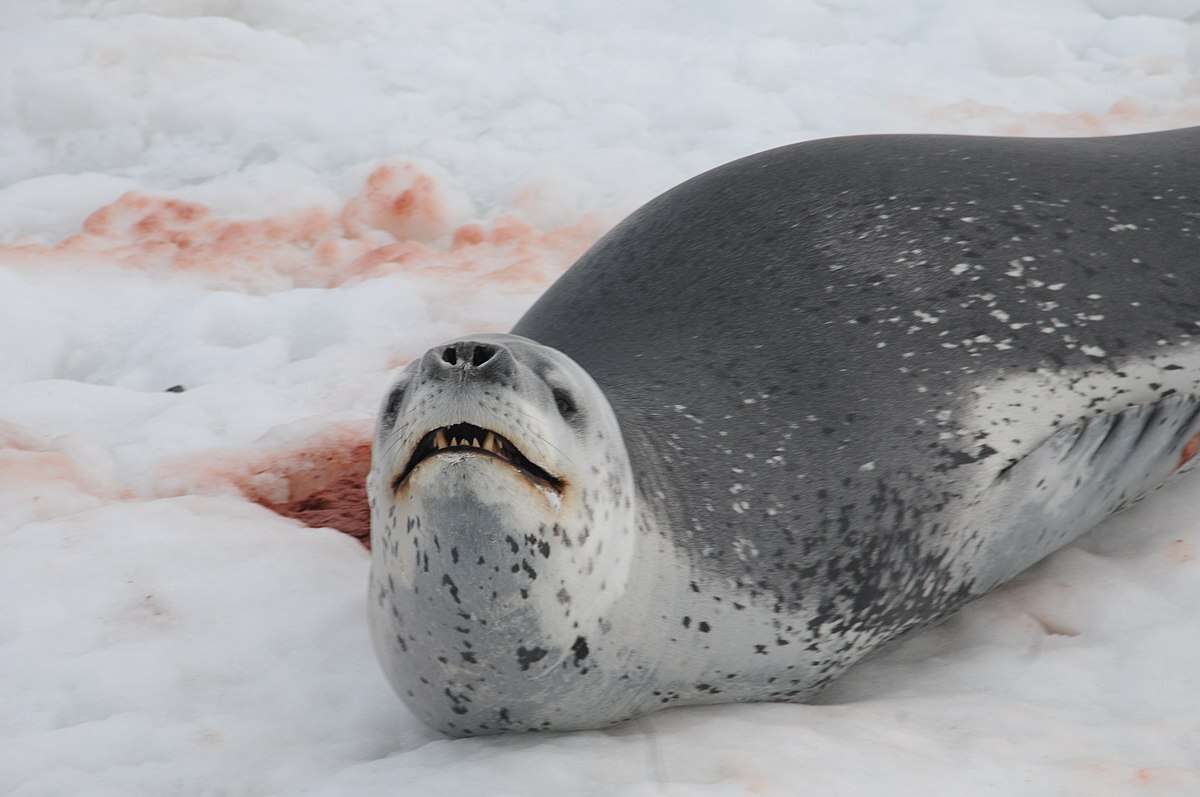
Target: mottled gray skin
column 857, row 382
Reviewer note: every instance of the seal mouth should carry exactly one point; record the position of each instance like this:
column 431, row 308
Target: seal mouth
column 477, row 440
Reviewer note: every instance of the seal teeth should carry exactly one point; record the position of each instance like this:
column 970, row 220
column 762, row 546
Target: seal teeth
column 468, row 435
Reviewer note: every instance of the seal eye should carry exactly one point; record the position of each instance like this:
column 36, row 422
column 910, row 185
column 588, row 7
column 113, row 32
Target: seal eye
column 392, row 407
column 565, row 404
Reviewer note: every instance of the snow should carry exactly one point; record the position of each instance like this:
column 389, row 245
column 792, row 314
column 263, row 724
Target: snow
column 273, row 204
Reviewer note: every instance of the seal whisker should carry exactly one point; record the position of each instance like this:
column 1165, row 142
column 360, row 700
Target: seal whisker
column 541, row 437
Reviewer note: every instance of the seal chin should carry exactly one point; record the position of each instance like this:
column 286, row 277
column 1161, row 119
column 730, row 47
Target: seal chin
column 490, row 477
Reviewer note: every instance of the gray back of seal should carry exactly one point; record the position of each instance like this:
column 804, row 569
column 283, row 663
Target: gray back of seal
column 783, row 338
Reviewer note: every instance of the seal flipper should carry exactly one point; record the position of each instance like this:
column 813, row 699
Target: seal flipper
column 1076, row 478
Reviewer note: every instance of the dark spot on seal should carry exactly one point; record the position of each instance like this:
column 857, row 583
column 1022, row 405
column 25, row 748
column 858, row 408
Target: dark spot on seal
column 580, row 649
column 527, row 656
column 449, row 582
column 175, row 389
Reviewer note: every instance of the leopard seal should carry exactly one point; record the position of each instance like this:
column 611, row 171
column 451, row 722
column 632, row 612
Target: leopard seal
column 784, row 413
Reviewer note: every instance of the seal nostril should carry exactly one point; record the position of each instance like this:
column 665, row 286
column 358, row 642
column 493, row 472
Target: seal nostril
column 482, row 354
column 449, row 355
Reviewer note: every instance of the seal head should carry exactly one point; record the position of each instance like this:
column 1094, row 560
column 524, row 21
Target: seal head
column 502, row 536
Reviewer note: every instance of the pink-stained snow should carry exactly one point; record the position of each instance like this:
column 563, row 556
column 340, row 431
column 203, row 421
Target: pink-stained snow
column 275, row 204
column 401, row 221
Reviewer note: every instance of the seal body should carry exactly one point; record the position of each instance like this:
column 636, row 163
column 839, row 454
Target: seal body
column 856, row 383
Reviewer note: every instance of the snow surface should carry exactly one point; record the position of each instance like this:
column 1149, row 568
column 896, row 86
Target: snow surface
column 273, row 203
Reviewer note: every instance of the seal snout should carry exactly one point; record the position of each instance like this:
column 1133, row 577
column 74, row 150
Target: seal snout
column 469, row 359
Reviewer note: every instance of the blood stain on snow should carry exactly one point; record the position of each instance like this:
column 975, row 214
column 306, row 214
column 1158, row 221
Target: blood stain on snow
column 401, row 222
column 468, row 235
column 401, row 201
column 1052, row 627
column 1190, row 449
column 1123, row 116
column 1180, row 552
column 326, row 486
column 336, row 494
column 30, row 459
column 320, row 481
column 399, row 360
